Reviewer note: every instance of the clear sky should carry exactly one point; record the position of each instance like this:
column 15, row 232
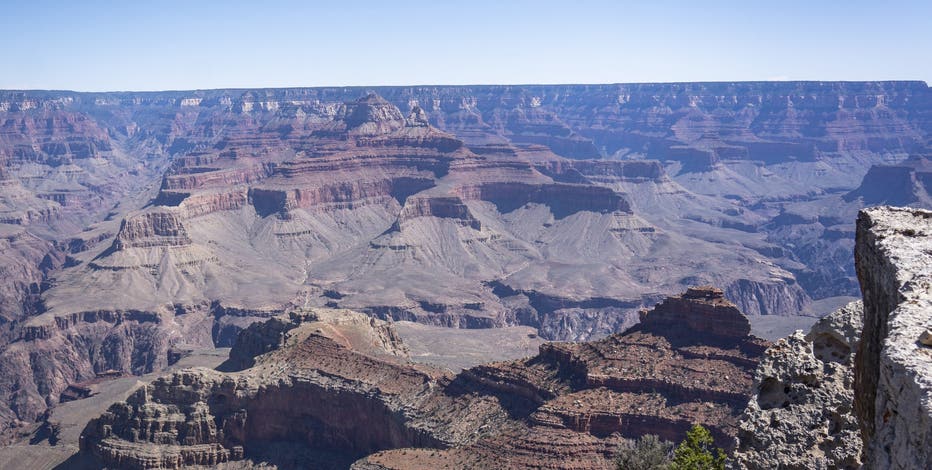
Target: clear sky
column 93, row 45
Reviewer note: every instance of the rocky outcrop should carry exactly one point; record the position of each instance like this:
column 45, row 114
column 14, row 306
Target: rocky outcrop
column 802, row 415
column 371, row 115
column 447, row 207
column 905, row 184
column 337, row 380
column 328, row 379
column 711, row 316
column 893, row 366
column 263, row 337
column 582, row 399
column 846, row 393
column 151, row 229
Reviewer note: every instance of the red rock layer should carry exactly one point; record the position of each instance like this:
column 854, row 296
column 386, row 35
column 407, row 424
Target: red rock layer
column 712, row 315
column 568, row 407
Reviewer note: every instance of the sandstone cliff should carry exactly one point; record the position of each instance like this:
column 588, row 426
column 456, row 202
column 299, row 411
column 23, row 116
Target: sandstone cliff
column 563, row 208
column 339, row 381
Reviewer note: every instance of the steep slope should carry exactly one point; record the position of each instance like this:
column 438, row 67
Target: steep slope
column 338, row 381
column 195, row 213
column 893, row 366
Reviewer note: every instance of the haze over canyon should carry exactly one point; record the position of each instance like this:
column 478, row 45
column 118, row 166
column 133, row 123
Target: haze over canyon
column 330, row 236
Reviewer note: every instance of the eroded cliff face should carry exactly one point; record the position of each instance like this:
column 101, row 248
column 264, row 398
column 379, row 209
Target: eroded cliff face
column 893, row 367
column 333, row 380
column 46, row 358
column 856, row 389
column 340, row 381
column 802, row 413
column 564, row 208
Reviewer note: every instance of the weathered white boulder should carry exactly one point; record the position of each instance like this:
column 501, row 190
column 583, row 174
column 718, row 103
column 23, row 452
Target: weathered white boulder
column 801, row 416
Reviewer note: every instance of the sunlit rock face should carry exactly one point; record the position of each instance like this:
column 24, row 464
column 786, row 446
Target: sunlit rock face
column 341, row 382
column 802, row 413
column 133, row 222
column 893, row 367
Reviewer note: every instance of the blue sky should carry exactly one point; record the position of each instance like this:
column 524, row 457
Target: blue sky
column 158, row 45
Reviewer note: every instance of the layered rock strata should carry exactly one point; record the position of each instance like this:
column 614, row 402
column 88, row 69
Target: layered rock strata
column 337, row 380
column 328, row 379
column 331, row 198
column 418, row 202
column 583, row 399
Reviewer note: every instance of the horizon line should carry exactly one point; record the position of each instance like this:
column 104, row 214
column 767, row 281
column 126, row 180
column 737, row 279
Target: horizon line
column 466, row 85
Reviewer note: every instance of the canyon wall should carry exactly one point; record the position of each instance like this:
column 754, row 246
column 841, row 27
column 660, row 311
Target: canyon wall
column 338, row 381
column 564, row 208
column 893, row 367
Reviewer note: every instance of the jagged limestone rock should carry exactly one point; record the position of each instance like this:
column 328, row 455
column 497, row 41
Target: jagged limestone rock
column 802, row 416
column 893, row 370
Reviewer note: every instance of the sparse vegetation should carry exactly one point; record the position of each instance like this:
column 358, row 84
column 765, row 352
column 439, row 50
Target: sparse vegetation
column 648, row 453
column 698, row 452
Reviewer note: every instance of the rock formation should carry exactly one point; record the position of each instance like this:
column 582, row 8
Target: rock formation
column 296, row 392
column 563, row 208
column 905, row 184
column 802, row 413
column 893, row 367
column 339, row 381
column 857, row 387
column 711, row 316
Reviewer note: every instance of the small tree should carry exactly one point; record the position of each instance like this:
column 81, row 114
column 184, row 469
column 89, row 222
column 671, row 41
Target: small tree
column 648, row 453
column 698, row 452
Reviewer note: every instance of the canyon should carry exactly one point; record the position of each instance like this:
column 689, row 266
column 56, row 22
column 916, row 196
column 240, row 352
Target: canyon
column 305, row 388
column 341, row 382
column 136, row 227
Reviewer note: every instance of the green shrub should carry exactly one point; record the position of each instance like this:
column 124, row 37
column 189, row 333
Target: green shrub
column 698, row 452
column 648, row 453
